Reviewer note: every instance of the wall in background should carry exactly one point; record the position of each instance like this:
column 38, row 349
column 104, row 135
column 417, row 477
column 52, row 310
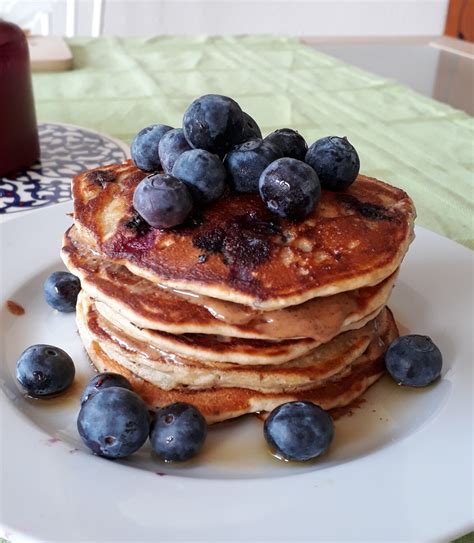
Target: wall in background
column 293, row 17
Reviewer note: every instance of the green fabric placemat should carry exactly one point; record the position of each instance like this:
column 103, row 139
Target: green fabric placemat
column 120, row 85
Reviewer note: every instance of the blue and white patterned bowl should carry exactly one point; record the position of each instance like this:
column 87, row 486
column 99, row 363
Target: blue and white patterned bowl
column 66, row 150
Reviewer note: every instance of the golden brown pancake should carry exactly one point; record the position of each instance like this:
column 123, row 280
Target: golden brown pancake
column 221, row 348
column 237, row 310
column 147, row 306
column 167, row 370
column 219, row 404
column 236, row 250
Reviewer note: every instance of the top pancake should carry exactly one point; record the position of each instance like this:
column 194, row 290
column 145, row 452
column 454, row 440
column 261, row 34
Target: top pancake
column 236, row 250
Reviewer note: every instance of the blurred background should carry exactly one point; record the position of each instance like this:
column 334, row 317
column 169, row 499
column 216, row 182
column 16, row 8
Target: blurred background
column 327, row 18
column 425, row 44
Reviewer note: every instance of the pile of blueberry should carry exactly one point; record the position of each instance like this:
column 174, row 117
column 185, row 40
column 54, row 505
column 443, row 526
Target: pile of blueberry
column 114, row 422
column 219, row 145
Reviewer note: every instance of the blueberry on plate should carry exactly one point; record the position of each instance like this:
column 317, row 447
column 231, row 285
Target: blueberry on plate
column 60, row 291
column 171, row 145
column 251, row 129
column 245, row 163
column 144, row 148
column 44, row 370
column 413, row 360
column 298, row 431
column 162, row 200
column 203, row 173
column 291, row 144
column 114, row 422
column 104, row 380
column 178, row 432
column 290, row 188
column 335, row 161
column 214, row 123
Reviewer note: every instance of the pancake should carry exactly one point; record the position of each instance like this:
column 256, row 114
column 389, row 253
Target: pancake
column 219, row 404
column 236, row 250
column 147, row 306
column 169, row 371
column 217, row 348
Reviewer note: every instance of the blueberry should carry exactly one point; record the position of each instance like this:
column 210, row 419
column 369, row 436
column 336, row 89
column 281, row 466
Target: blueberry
column 114, row 422
column 171, row 145
column 290, row 188
column 247, row 161
column 214, row 123
column 203, row 173
column 178, row 432
column 251, row 129
column 413, row 360
column 298, row 431
column 144, row 148
column 291, row 143
column 336, row 162
column 104, row 380
column 44, row 370
column 162, row 200
column 60, row 291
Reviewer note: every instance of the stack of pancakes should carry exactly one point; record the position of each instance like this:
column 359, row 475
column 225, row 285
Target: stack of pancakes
column 237, row 311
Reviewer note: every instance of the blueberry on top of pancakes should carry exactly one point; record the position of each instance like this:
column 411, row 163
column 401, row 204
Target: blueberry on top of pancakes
column 291, row 143
column 290, row 188
column 144, row 148
column 251, row 129
column 335, row 161
column 214, row 123
column 203, row 173
column 162, row 200
column 171, row 146
column 246, row 162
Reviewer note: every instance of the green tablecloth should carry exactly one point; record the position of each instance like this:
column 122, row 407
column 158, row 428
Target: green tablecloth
column 120, row 85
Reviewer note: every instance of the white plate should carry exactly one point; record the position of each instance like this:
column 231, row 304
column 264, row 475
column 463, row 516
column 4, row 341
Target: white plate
column 399, row 469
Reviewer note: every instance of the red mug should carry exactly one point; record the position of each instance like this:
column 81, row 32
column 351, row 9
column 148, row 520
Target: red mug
column 19, row 144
